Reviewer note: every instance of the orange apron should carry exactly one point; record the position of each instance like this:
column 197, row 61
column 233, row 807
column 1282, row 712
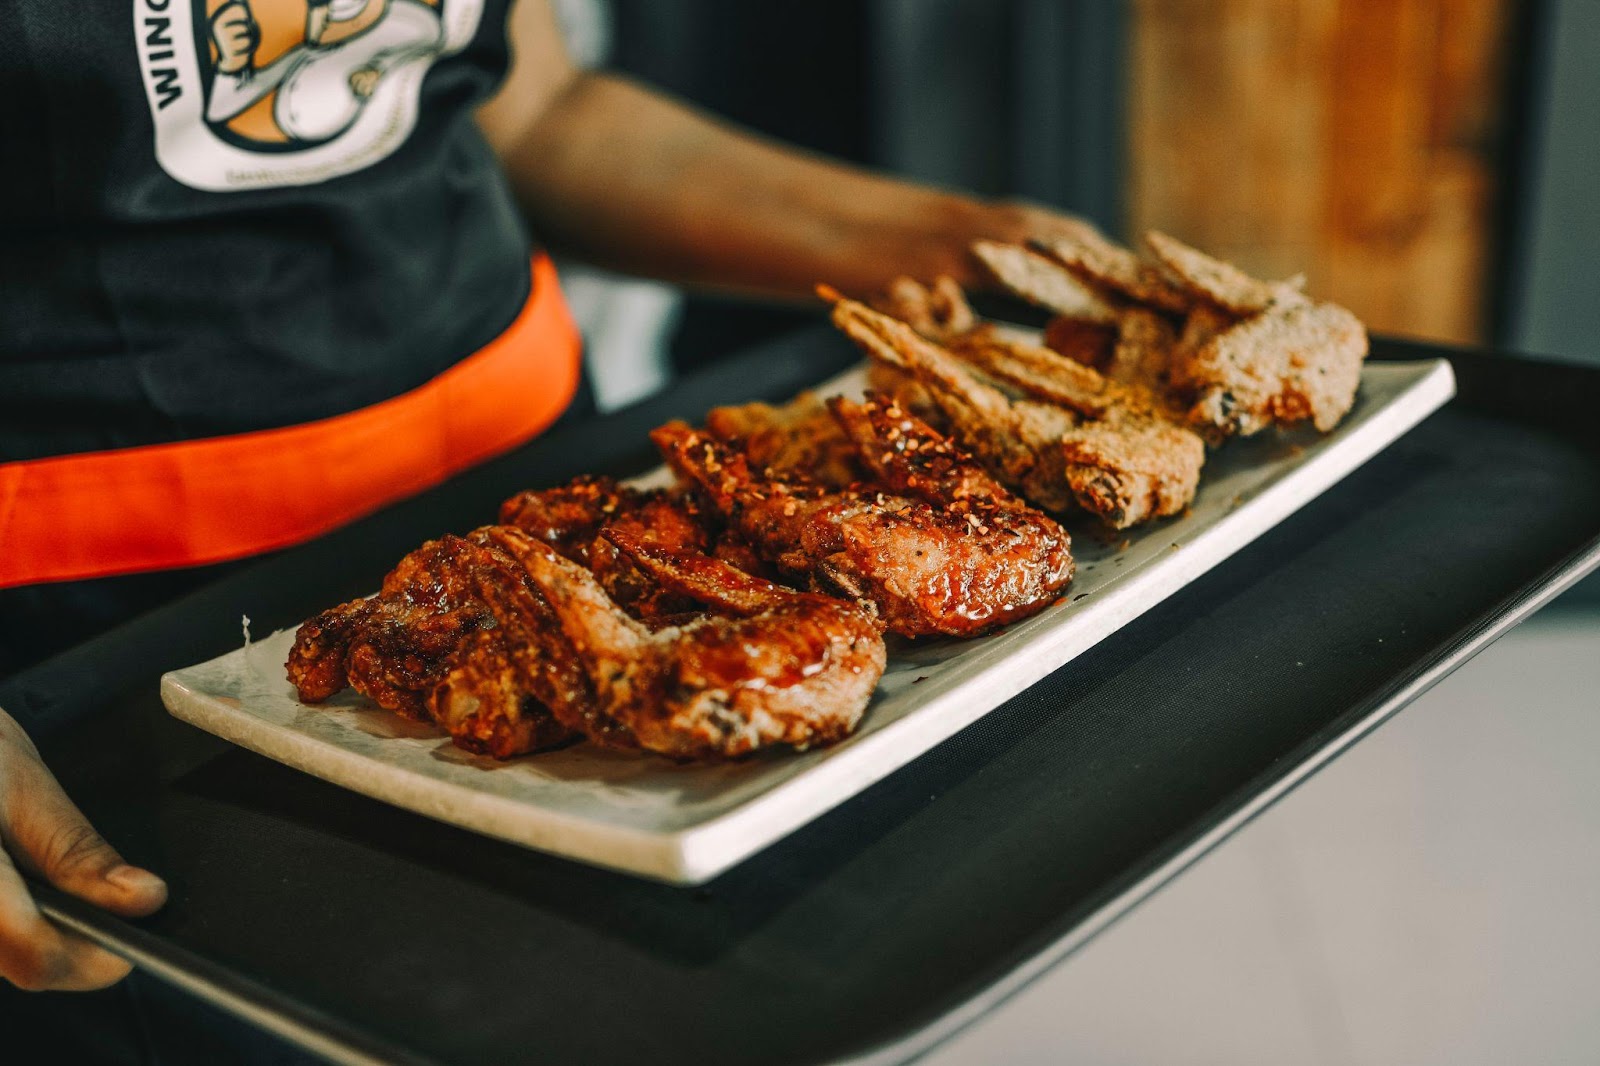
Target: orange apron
column 164, row 506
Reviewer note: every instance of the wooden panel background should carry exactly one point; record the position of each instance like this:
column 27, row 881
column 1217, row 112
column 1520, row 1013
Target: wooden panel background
column 1349, row 139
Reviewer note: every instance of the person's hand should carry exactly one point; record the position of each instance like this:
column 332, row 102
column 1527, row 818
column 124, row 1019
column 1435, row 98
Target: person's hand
column 43, row 833
column 234, row 30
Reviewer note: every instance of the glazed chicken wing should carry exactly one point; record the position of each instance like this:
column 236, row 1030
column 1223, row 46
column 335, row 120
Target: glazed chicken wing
column 960, row 566
column 778, row 667
column 571, row 517
column 442, row 607
column 799, row 437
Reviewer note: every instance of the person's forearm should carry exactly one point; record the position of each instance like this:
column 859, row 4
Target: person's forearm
column 618, row 175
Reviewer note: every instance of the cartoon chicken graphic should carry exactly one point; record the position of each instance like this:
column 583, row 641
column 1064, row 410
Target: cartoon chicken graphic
column 313, row 88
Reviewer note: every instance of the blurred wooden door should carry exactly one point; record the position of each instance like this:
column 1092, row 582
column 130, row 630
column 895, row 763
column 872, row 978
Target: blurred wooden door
column 1352, row 139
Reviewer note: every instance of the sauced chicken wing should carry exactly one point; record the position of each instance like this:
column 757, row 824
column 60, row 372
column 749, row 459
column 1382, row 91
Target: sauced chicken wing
column 502, row 687
column 570, row 519
column 936, row 560
column 799, row 437
column 393, row 647
column 437, row 609
column 776, row 667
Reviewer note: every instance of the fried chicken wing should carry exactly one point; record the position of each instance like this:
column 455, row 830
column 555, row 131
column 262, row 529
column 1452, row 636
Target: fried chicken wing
column 503, row 688
column 568, row 518
column 394, row 647
column 442, row 607
column 571, row 517
column 1129, row 466
column 958, row 568
column 1223, row 284
column 778, row 668
column 1287, row 364
column 1114, row 271
column 799, row 437
column 1040, row 280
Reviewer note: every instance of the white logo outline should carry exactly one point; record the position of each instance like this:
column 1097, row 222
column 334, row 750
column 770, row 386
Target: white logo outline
column 347, row 131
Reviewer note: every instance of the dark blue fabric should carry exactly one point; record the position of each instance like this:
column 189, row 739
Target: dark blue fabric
column 136, row 309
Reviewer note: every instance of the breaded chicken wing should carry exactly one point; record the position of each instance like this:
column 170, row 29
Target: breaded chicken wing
column 1126, row 466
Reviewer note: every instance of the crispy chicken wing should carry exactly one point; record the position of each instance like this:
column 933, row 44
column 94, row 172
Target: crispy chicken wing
column 442, row 606
column 799, row 437
column 778, row 667
column 1287, row 364
column 1041, row 281
column 1128, row 466
column 959, row 566
column 1223, row 284
column 1114, row 271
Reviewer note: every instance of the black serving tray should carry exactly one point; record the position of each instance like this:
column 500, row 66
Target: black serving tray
column 364, row 932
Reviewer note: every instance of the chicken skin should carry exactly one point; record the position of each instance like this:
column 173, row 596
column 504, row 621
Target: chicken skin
column 444, row 605
column 951, row 554
column 570, row 519
column 1093, row 444
column 775, row 668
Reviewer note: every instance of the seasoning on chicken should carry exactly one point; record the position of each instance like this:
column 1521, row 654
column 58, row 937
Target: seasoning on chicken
column 939, row 563
column 776, row 667
column 397, row 648
column 798, row 437
column 571, row 517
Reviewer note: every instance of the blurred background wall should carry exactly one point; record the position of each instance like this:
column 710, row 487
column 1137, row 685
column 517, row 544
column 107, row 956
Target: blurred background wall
column 1429, row 163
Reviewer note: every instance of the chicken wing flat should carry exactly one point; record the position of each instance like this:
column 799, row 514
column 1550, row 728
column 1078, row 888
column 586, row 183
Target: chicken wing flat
column 958, row 567
column 440, row 608
column 500, row 694
column 1221, row 283
column 1285, row 365
column 393, row 647
column 1129, row 466
column 1041, row 281
column 799, row 437
column 1112, row 270
column 778, row 667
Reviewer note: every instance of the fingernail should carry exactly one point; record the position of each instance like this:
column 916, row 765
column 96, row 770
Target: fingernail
column 133, row 879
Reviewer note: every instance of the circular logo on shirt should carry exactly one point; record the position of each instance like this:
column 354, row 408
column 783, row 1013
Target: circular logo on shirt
column 248, row 94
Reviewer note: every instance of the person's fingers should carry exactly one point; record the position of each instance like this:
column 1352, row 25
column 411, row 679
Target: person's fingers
column 46, row 834
column 36, row 956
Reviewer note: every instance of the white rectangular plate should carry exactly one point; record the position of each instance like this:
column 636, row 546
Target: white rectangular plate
column 686, row 824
